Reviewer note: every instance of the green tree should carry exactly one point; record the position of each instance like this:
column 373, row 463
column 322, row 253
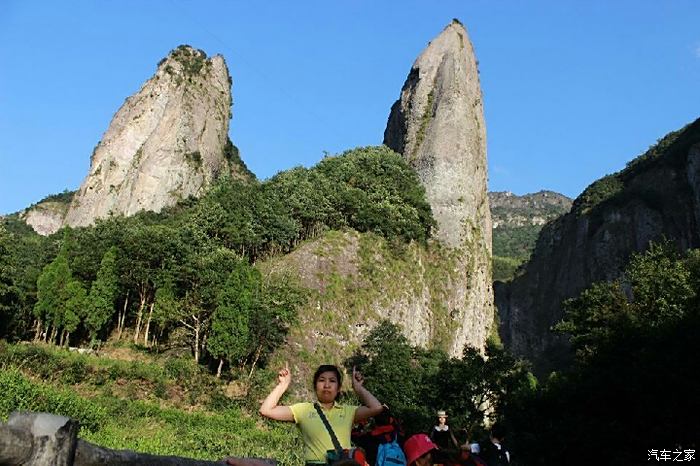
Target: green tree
column 201, row 278
column 661, row 287
column 148, row 251
column 9, row 293
column 393, row 374
column 661, row 283
column 230, row 336
column 636, row 346
column 102, row 294
column 166, row 308
column 74, row 307
column 474, row 388
column 276, row 312
column 51, row 297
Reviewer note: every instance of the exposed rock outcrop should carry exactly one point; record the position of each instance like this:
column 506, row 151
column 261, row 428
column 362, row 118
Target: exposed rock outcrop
column 358, row 279
column 536, row 209
column 656, row 196
column 167, row 142
column 438, row 126
column 45, row 218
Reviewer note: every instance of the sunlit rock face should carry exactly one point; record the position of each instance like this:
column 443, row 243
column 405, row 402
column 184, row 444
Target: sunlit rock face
column 167, row 142
column 438, row 126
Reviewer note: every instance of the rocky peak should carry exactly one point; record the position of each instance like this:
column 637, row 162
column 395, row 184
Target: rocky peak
column 167, row 142
column 438, row 126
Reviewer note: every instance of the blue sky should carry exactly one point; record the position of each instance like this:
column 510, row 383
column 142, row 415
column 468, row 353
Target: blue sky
column 572, row 89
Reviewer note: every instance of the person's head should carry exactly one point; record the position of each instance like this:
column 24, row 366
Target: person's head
column 497, row 433
column 327, row 382
column 442, row 417
column 418, row 449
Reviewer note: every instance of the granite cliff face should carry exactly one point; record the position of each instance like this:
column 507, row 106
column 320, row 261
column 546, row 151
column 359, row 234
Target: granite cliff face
column 438, row 126
column 167, row 142
column 656, row 196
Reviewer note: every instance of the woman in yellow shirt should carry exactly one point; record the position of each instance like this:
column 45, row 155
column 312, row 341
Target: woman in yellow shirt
column 327, row 383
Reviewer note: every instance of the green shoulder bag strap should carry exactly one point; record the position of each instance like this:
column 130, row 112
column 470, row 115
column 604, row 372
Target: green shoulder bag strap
column 334, row 439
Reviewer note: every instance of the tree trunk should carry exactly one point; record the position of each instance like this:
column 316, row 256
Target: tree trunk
column 139, row 317
column 148, row 324
column 37, row 330
column 122, row 317
column 258, row 351
column 197, row 328
column 221, row 365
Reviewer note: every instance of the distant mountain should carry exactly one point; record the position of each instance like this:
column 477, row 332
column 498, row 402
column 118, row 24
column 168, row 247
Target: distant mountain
column 517, row 220
column 656, row 197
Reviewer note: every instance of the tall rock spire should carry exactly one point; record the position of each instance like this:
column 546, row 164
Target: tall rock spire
column 438, row 126
column 167, row 142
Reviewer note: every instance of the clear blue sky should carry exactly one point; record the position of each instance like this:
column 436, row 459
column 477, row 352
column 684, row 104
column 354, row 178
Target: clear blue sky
column 572, row 89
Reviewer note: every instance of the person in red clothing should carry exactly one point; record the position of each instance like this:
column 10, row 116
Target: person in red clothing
column 419, row 449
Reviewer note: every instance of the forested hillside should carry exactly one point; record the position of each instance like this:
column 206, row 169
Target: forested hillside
column 517, row 220
column 183, row 276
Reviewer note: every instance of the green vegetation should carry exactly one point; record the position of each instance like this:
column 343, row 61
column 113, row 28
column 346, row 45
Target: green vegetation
column 505, row 268
column 194, row 159
column 516, row 234
column 192, row 60
column 424, row 122
column 598, row 192
column 635, row 343
column 233, row 156
column 64, row 197
column 171, row 409
column 669, row 151
column 170, row 278
column 415, row 382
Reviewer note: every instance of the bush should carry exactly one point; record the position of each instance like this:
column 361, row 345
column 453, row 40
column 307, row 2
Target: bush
column 18, row 393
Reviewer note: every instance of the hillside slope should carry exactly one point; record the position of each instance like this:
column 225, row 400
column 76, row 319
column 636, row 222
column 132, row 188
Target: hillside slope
column 517, row 220
column 656, row 196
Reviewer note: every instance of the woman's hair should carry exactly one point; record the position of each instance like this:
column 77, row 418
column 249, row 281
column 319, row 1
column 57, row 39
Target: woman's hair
column 328, row 368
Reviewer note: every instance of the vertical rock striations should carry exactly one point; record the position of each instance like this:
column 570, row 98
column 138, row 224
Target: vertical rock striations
column 438, row 126
column 657, row 196
column 167, row 142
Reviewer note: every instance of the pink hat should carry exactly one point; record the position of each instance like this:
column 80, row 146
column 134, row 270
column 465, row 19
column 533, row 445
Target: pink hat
column 417, row 446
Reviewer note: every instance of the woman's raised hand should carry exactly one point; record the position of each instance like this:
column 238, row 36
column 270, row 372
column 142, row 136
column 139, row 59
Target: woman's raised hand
column 357, row 379
column 284, row 376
